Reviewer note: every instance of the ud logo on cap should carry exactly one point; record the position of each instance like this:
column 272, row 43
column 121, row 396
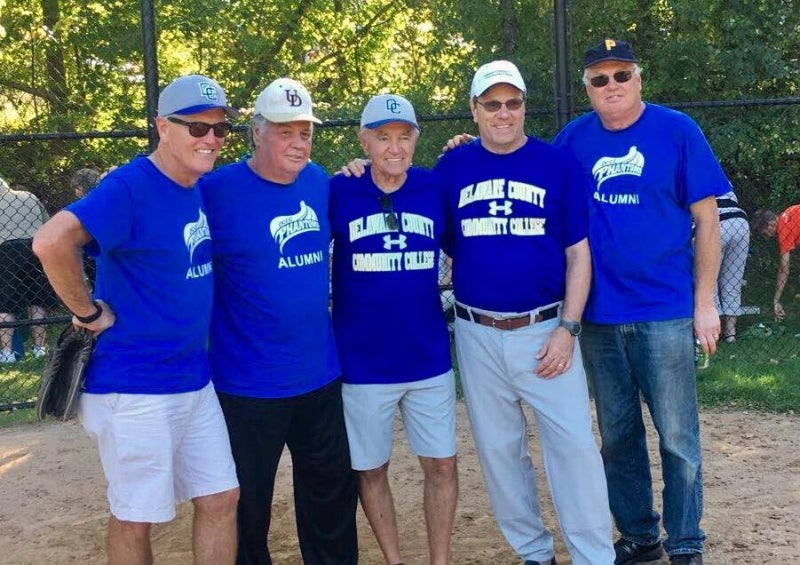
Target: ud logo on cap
column 293, row 97
column 208, row 90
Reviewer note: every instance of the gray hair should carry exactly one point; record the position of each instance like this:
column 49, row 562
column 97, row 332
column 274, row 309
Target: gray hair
column 84, row 179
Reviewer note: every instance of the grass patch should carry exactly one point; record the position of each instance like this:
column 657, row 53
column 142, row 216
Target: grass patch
column 20, row 381
column 17, row 417
column 759, row 371
column 742, row 375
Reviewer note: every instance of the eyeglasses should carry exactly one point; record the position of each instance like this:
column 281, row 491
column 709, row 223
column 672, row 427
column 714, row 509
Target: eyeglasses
column 511, row 104
column 200, row 129
column 599, row 81
column 389, row 215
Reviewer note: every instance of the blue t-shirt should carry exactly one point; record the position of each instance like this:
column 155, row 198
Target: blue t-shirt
column 513, row 217
column 387, row 314
column 153, row 250
column 271, row 334
column 644, row 179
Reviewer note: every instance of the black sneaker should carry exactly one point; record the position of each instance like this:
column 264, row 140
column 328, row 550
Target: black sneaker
column 629, row 552
column 687, row 559
column 551, row 562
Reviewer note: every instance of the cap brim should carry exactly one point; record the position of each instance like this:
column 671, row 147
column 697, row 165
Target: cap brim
column 286, row 118
column 379, row 123
column 231, row 112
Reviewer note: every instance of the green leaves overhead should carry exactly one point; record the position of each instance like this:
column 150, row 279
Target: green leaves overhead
column 76, row 65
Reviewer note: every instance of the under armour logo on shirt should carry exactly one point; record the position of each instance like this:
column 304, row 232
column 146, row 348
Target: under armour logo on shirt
column 389, row 242
column 494, row 207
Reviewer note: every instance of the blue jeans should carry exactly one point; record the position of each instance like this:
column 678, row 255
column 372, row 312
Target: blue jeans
column 656, row 360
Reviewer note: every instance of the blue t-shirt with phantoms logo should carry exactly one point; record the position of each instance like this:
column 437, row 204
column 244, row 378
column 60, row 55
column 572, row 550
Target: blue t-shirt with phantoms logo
column 271, row 334
column 153, row 248
column 643, row 178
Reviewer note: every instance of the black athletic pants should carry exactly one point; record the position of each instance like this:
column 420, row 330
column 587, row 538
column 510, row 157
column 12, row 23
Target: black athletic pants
column 325, row 486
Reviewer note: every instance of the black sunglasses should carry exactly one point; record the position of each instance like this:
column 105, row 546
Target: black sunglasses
column 599, row 81
column 200, row 129
column 495, row 105
column 389, row 215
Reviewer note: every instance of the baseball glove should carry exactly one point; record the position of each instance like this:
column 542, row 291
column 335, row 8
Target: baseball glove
column 62, row 377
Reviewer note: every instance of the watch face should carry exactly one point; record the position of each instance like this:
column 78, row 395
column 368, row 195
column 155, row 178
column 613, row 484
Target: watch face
column 574, row 328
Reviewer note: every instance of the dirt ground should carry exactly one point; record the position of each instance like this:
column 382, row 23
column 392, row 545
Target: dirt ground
column 53, row 506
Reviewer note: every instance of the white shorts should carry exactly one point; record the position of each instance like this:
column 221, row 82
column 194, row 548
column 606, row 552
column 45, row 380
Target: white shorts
column 428, row 408
column 159, row 449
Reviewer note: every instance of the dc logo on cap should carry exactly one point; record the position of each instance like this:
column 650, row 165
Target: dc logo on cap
column 208, row 90
column 393, row 106
column 293, row 97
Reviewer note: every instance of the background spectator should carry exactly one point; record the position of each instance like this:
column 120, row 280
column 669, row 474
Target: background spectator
column 83, row 181
column 734, row 234
column 787, row 229
column 23, row 285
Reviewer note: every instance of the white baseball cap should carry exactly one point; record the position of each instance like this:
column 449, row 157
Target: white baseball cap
column 192, row 94
column 388, row 108
column 496, row 72
column 285, row 100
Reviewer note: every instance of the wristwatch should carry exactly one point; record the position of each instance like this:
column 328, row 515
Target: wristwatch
column 574, row 328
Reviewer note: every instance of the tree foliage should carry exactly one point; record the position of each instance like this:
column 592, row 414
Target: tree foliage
column 76, row 66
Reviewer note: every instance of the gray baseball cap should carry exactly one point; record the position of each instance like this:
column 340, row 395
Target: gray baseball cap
column 388, row 108
column 192, row 94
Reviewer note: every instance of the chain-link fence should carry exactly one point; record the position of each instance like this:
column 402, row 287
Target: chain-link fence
column 73, row 72
column 30, row 314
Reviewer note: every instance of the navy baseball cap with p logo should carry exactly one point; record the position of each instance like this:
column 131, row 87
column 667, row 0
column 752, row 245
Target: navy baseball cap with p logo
column 609, row 50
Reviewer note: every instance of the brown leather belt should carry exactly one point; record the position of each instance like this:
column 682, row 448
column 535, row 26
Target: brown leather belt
column 506, row 323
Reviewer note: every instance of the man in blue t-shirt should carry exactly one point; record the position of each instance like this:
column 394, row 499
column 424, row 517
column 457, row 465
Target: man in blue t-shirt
column 652, row 173
column 521, row 274
column 392, row 336
column 273, row 358
column 148, row 400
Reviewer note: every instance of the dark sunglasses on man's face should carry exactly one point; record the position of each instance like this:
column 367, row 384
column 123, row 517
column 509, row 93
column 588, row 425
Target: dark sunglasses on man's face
column 200, row 129
column 599, row 81
column 511, row 104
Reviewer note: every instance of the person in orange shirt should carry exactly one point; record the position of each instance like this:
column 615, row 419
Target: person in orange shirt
column 787, row 228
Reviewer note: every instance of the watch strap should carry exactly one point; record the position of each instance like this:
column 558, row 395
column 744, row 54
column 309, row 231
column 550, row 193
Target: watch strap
column 91, row 317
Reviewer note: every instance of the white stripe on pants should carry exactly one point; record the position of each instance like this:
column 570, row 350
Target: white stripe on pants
column 497, row 374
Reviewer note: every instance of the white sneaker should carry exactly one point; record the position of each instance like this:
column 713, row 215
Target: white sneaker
column 7, row 356
column 39, row 351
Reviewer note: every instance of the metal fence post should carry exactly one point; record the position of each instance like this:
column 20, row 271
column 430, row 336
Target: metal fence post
column 150, row 68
